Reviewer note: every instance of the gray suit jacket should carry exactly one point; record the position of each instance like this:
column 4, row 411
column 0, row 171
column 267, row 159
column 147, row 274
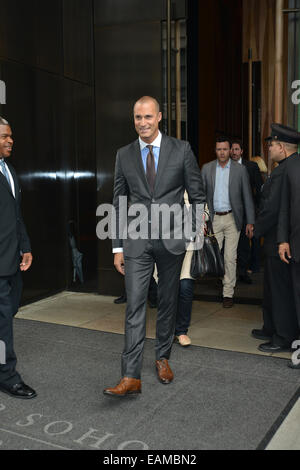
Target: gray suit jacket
column 240, row 194
column 177, row 170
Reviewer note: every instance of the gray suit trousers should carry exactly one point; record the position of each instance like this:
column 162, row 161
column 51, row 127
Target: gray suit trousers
column 138, row 273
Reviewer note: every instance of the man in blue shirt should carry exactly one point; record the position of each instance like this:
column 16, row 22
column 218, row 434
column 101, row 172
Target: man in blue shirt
column 153, row 171
column 229, row 197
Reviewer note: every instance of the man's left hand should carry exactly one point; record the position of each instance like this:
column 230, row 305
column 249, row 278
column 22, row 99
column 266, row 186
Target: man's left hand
column 249, row 231
column 26, row 261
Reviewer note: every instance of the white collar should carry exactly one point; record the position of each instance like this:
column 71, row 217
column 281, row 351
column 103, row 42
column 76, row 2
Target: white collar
column 155, row 143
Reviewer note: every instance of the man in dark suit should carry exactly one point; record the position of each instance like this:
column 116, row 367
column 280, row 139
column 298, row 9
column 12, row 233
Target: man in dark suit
column 14, row 245
column 256, row 182
column 280, row 323
column 288, row 235
column 230, row 202
column 153, row 171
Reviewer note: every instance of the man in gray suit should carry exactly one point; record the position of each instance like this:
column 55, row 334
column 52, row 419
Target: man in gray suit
column 229, row 197
column 152, row 171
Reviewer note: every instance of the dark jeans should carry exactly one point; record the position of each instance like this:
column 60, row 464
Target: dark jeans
column 185, row 303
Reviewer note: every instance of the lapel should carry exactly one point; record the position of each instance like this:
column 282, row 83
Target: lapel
column 232, row 177
column 14, row 176
column 213, row 175
column 4, row 182
column 138, row 163
column 164, row 154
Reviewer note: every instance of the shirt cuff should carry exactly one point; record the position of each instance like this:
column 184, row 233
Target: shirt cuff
column 117, row 250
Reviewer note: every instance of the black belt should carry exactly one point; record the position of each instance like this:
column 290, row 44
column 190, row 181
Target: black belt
column 223, row 213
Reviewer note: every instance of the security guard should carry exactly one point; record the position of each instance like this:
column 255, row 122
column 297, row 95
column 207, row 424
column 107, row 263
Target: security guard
column 289, row 220
column 279, row 313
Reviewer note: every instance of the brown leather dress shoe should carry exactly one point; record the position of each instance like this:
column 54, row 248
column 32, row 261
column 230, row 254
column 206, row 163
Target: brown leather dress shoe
column 164, row 371
column 127, row 386
column 227, row 302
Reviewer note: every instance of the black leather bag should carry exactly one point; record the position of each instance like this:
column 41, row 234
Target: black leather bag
column 208, row 261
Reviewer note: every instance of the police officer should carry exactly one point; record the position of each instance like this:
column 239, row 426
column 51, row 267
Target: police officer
column 289, row 219
column 280, row 327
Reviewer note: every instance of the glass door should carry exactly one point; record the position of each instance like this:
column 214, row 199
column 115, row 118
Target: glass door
column 174, row 67
column 294, row 64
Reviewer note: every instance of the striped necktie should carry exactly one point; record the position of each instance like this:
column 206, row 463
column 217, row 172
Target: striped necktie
column 5, row 172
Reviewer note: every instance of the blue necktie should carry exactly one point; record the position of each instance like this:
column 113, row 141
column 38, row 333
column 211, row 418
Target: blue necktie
column 5, row 172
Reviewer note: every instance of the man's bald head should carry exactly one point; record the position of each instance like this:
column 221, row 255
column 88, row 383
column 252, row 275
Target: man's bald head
column 279, row 150
column 147, row 117
column 290, row 148
column 146, row 100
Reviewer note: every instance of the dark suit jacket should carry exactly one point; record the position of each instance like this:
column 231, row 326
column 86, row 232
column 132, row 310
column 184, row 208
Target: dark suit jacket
column 289, row 216
column 267, row 220
column 240, row 195
column 13, row 235
column 177, row 170
column 256, row 180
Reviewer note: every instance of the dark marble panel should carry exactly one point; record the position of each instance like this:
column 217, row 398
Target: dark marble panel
column 53, row 124
column 33, row 109
column 31, row 33
column 84, row 176
column 49, row 36
column 17, row 31
column 78, row 40
column 108, row 12
column 126, row 69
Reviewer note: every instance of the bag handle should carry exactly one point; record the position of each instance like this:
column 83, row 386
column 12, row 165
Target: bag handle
column 210, row 230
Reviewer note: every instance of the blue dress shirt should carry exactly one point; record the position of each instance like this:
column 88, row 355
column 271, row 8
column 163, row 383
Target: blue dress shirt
column 156, row 150
column 221, row 196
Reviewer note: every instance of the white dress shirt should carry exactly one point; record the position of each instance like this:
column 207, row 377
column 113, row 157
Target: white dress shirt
column 12, row 184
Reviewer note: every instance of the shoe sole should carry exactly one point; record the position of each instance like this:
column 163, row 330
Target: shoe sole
column 263, row 338
column 117, row 395
column 16, row 396
column 164, row 382
column 274, row 352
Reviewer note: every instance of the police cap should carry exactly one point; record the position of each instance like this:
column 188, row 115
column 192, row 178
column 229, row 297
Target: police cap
column 284, row 134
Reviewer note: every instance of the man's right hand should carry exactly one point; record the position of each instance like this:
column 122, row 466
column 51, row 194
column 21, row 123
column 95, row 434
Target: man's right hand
column 119, row 263
column 285, row 252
